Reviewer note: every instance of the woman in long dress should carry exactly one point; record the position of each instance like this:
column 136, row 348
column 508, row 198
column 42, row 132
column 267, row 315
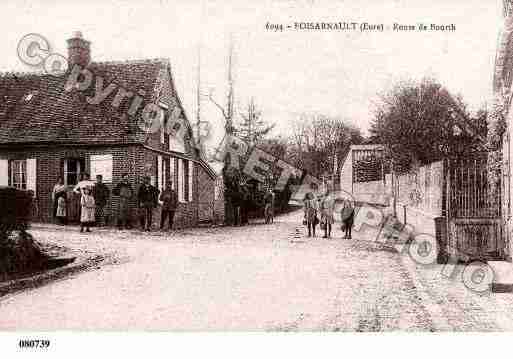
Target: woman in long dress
column 57, row 189
column 61, row 208
column 87, row 209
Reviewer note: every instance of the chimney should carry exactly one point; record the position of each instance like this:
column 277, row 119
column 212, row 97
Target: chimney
column 79, row 50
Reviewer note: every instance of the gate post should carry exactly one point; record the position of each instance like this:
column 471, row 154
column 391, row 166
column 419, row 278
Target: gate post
column 442, row 224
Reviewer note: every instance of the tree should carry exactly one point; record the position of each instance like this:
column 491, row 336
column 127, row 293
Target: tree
column 253, row 128
column 227, row 111
column 320, row 141
column 422, row 122
column 276, row 146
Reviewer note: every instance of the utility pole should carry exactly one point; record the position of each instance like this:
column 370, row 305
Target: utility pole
column 229, row 120
column 227, row 111
column 198, row 96
column 251, row 117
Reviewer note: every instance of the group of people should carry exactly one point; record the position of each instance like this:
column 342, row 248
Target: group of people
column 325, row 207
column 94, row 197
column 242, row 203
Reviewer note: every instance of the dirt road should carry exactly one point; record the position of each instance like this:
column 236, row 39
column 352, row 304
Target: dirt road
column 249, row 278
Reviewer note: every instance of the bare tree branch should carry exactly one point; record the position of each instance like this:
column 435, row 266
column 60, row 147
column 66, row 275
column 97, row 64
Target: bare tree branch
column 221, row 108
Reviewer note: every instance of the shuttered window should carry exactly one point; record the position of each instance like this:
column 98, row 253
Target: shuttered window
column 172, row 166
column 4, row 172
column 160, row 174
column 180, row 181
column 102, row 165
column 191, row 180
column 32, row 175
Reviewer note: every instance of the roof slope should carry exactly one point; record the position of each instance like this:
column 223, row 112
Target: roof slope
column 53, row 115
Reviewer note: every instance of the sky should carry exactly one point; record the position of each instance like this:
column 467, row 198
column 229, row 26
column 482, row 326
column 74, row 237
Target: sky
column 289, row 72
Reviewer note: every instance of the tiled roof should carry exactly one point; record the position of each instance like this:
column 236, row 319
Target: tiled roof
column 36, row 108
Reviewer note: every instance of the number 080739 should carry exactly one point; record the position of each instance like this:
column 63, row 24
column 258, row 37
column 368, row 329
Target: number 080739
column 34, row 343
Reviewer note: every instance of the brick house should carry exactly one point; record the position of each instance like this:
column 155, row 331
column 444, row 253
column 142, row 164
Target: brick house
column 48, row 130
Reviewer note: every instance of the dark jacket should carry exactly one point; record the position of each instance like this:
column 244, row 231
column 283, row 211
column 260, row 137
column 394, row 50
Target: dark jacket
column 101, row 194
column 147, row 196
column 169, row 199
column 123, row 189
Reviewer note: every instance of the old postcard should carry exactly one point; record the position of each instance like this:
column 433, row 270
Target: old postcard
column 235, row 166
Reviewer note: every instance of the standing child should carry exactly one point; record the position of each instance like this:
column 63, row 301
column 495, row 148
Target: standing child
column 327, row 213
column 60, row 212
column 310, row 206
column 347, row 216
column 88, row 208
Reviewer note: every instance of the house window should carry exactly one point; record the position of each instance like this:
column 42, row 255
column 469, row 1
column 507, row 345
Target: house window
column 73, row 167
column 18, row 176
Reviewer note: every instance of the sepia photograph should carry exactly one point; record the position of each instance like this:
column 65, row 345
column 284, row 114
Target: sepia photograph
column 225, row 172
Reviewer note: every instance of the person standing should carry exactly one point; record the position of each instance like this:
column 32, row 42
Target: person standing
column 269, row 206
column 236, row 198
column 147, row 198
column 310, row 207
column 169, row 200
column 125, row 192
column 327, row 214
column 57, row 189
column 87, row 209
column 347, row 216
column 245, row 204
column 101, row 194
column 61, row 208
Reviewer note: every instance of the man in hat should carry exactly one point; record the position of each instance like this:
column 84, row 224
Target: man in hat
column 169, row 200
column 147, row 198
column 101, row 194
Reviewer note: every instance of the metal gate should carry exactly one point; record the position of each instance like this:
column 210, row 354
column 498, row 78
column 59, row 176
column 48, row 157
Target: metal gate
column 474, row 221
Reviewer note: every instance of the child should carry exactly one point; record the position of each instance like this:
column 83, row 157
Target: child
column 347, row 216
column 310, row 206
column 88, row 208
column 61, row 208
